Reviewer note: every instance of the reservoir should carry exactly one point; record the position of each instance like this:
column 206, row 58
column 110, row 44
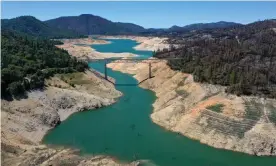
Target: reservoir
column 125, row 131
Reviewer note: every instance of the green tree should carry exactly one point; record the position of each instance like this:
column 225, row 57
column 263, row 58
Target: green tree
column 232, row 78
column 16, row 88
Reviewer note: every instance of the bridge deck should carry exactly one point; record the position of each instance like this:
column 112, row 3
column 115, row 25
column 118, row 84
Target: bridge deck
column 149, row 61
column 132, row 60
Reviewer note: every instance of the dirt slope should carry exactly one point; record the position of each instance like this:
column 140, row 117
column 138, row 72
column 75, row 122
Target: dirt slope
column 24, row 122
column 206, row 113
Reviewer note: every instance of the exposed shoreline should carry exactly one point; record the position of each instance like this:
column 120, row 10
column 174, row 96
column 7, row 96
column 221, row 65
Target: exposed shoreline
column 85, row 51
column 51, row 106
column 55, row 104
column 58, row 100
column 25, row 122
column 181, row 107
column 145, row 43
column 234, row 109
column 189, row 123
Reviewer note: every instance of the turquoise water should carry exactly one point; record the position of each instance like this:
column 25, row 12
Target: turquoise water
column 121, row 46
column 125, row 131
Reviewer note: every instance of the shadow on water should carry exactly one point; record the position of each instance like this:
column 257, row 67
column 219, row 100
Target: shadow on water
column 129, row 84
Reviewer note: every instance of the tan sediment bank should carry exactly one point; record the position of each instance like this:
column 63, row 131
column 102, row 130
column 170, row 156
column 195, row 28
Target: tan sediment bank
column 182, row 107
column 243, row 124
column 24, row 122
column 146, row 43
column 85, row 52
column 85, row 41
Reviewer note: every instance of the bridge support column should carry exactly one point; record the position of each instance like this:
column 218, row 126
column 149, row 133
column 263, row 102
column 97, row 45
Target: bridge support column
column 149, row 70
column 105, row 70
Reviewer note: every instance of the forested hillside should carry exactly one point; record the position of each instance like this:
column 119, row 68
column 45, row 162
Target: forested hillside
column 175, row 30
column 242, row 58
column 26, row 62
column 201, row 26
column 88, row 24
column 28, row 25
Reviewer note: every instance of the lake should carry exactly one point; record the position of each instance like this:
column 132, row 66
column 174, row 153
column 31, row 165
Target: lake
column 125, row 131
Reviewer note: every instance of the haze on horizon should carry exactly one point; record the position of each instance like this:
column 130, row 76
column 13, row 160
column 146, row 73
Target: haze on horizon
column 147, row 14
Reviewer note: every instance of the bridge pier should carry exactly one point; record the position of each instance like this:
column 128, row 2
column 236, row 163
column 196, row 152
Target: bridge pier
column 106, row 62
column 149, row 70
column 105, row 70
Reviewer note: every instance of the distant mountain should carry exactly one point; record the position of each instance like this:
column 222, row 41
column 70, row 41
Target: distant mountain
column 186, row 29
column 29, row 25
column 130, row 27
column 175, row 28
column 88, row 24
column 201, row 26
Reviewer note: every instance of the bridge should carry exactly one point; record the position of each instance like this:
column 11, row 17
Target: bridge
column 149, row 61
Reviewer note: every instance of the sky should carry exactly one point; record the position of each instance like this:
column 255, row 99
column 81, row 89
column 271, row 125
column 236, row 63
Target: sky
column 147, row 14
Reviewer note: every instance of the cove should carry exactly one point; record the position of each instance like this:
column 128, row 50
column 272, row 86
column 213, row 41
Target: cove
column 125, row 131
column 121, row 46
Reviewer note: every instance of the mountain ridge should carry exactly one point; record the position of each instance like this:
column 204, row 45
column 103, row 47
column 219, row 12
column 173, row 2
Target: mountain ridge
column 89, row 24
column 67, row 22
column 31, row 26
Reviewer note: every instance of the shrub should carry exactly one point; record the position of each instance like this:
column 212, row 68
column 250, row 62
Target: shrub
column 216, row 108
